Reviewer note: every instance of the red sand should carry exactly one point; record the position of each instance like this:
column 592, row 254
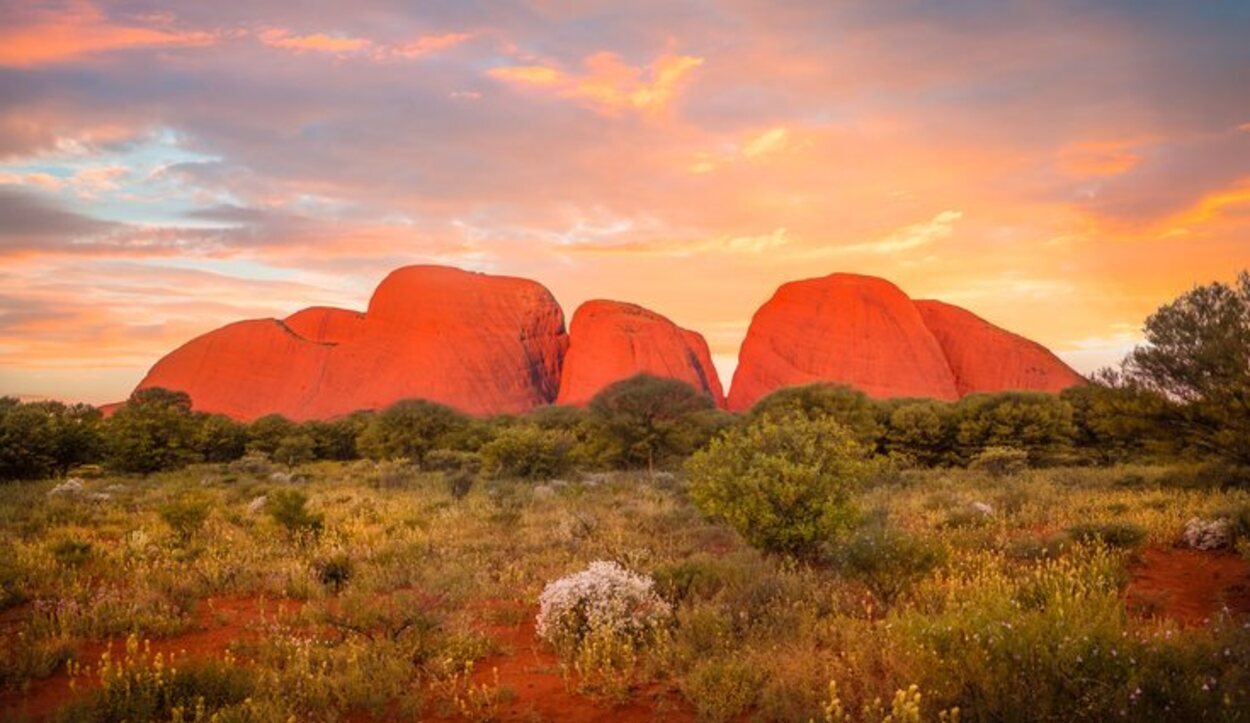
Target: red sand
column 1189, row 586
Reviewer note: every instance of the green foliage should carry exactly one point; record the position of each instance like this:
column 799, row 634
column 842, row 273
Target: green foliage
column 142, row 686
column 155, row 430
column 265, row 435
column 848, row 406
column 412, row 428
column 294, row 449
column 186, row 515
column 288, row 507
column 1000, row 461
column 44, row 439
column 888, row 560
column 1117, row 422
column 220, row 438
column 1197, row 352
column 336, row 439
column 646, row 421
column 1040, row 424
column 72, row 552
column 1113, row 534
column 528, row 452
column 786, row 484
column 923, row 430
column 335, row 570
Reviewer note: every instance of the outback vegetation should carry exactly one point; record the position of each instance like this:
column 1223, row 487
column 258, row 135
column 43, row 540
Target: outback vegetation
column 824, row 557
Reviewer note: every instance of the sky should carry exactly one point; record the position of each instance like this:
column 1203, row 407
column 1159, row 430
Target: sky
column 1060, row 168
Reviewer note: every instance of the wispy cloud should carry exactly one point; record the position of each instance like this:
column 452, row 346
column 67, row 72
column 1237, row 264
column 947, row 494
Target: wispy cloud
column 607, row 82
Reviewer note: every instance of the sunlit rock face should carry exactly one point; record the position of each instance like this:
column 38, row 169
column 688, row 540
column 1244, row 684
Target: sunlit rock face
column 985, row 358
column 865, row 332
column 483, row 344
column 497, row 345
column 612, row 340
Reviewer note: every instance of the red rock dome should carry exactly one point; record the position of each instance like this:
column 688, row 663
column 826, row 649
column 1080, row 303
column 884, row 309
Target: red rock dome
column 326, row 324
column 483, row 344
column 613, row 340
column 985, row 358
column 857, row 330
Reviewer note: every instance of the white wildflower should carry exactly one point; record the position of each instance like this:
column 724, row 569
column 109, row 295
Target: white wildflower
column 604, row 597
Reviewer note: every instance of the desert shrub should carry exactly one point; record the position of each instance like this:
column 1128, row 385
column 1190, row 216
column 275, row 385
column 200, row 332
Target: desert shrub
column 411, row 428
column 720, row 689
column 294, row 449
column 185, row 515
column 786, row 484
column 528, row 452
column 846, row 405
column 220, row 438
column 889, row 560
column 288, row 507
column 645, row 421
column 1000, row 461
column 142, row 686
column 1040, row 424
column 154, row 430
column 922, row 430
column 266, row 433
column 336, row 439
column 72, row 552
column 334, row 570
column 1206, row 475
column 603, row 599
column 44, row 439
column 1112, row 534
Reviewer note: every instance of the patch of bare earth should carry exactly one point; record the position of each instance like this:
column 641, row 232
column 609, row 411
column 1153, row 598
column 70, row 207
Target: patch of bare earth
column 1189, row 586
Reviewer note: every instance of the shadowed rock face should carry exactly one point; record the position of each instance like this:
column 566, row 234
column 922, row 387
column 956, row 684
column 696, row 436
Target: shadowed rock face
column 484, row 344
column 611, row 340
column 865, row 332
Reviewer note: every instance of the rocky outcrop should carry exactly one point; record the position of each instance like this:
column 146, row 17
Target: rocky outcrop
column 864, row 332
column 483, row 344
column 612, row 340
column 985, row 358
column 844, row 328
column 497, row 345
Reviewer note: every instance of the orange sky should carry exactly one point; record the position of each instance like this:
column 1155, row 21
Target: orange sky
column 167, row 167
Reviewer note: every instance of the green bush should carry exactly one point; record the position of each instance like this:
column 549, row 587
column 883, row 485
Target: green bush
column 846, row 405
column 288, row 508
column 889, row 560
column 44, row 439
column 786, row 483
column 528, row 452
column 1000, row 461
column 154, row 430
column 645, row 421
column 185, row 515
column 412, row 428
column 1112, row 534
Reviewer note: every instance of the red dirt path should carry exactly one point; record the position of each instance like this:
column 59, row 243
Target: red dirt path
column 1189, row 586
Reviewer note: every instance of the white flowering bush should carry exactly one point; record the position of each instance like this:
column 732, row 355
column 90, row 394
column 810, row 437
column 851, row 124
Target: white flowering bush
column 1203, row 534
column 603, row 599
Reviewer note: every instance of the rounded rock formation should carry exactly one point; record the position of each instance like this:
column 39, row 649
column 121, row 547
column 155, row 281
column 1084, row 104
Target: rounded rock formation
column 483, row 344
column 866, row 333
column 985, row 358
column 843, row 328
column 612, row 340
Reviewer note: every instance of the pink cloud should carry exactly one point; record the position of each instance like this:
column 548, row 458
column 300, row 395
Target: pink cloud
column 50, row 37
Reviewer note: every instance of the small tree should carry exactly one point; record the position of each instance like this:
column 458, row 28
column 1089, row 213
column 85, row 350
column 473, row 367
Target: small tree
column 846, row 405
column 295, row 448
column 529, row 452
column 411, row 428
column 645, row 420
column 1197, row 352
column 786, row 483
column 220, row 438
column 922, row 430
column 43, row 439
column 154, row 430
